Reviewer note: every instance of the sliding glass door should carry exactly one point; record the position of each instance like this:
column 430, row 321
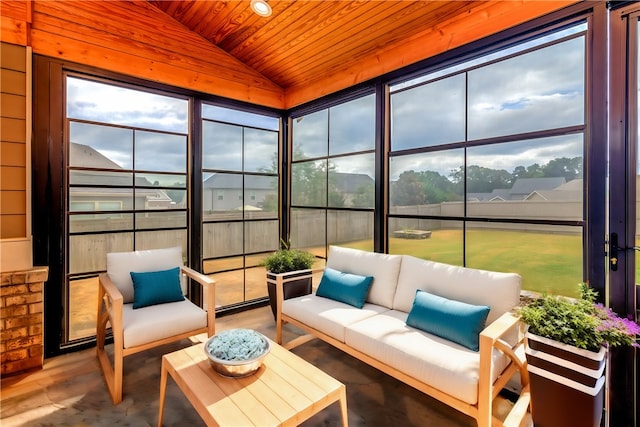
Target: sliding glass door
column 624, row 195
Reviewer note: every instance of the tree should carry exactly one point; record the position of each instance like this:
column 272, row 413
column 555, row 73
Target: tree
column 364, row 197
column 408, row 190
column 564, row 167
column 311, row 185
column 482, row 180
column 438, row 188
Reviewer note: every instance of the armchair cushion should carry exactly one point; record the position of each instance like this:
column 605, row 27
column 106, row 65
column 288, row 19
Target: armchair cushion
column 157, row 322
column 453, row 320
column 156, row 287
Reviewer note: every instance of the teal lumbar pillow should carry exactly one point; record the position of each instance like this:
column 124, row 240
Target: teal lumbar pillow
column 156, row 287
column 348, row 288
column 453, row 320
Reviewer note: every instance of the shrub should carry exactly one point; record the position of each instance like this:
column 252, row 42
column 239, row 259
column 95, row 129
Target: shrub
column 285, row 260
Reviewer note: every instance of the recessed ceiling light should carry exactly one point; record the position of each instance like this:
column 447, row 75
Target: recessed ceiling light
column 261, row 7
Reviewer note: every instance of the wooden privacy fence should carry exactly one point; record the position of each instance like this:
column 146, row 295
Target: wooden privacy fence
column 309, row 228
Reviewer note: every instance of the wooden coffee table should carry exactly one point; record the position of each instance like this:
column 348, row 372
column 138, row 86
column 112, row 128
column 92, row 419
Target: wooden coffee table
column 286, row 390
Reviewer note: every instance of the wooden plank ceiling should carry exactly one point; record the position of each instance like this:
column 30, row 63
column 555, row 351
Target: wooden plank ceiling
column 305, row 41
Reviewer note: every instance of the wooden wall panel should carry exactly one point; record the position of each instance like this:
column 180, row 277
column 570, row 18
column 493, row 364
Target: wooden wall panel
column 13, row 82
column 481, row 21
column 13, row 203
column 12, row 226
column 141, row 41
column 13, row 141
column 13, row 57
column 13, row 130
column 13, row 106
column 12, row 178
column 12, row 153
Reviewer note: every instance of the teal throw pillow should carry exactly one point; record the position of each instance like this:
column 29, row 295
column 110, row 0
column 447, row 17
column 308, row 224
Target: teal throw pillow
column 453, row 320
column 156, row 287
column 348, row 288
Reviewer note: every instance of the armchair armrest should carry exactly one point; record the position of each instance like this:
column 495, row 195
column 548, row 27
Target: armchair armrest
column 492, row 338
column 110, row 301
column 109, row 288
column 499, row 327
column 208, row 286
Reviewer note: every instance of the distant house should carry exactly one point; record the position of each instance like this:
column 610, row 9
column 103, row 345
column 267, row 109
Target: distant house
column 495, row 195
column 351, row 184
column 223, row 191
column 523, row 187
column 571, row 191
column 87, row 194
column 531, row 188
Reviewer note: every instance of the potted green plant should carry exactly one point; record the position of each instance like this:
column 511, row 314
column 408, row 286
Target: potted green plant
column 566, row 344
column 292, row 267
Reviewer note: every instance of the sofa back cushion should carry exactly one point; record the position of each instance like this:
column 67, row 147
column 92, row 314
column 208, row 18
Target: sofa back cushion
column 499, row 291
column 383, row 267
column 121, row 264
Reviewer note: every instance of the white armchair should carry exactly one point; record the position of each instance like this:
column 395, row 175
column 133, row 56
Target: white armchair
column 149, row 312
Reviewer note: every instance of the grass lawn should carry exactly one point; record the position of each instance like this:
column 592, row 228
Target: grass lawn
column 547, row 262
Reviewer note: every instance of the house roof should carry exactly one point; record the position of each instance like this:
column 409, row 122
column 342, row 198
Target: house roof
column 547, row 188
column 525, row 186
column 86, row 156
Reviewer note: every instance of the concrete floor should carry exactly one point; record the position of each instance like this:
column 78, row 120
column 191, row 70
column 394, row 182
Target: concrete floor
column 70, row 390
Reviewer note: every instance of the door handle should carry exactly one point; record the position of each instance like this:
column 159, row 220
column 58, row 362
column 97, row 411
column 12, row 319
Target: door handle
column 613, row 252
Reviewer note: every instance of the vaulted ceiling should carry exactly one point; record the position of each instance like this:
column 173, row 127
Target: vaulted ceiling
column 304, row 41
column 306, row 49
column 310, row 48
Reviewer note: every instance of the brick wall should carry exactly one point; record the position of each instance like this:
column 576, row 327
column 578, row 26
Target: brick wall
column 21, row 320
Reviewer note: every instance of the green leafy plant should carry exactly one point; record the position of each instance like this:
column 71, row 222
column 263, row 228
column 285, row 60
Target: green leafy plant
column 285, row 260
column 582, row 323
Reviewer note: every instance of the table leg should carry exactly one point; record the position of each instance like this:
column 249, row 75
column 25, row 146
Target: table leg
column 163, row 390
column 343, row 406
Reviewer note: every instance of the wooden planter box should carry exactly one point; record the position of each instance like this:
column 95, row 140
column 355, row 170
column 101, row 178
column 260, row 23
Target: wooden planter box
column 295, row 284
column 567, row 383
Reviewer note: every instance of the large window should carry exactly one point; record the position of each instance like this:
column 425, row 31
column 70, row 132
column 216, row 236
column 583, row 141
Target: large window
column 332, row 177
column 486, row 162
column 126, row 184
column 240, row 200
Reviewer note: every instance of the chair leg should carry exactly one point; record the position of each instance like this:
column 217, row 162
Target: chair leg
column 112, row 373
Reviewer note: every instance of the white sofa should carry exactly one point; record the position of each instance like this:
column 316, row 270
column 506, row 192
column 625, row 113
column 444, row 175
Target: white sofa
column 377, row 334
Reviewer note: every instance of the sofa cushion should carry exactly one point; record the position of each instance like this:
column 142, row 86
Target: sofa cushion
column 120, row 264
column 156, row 287
column 454, row 320
column 438, row 362
column 327, row 315
column 349, row 288
column 154, row 322
column 500, row 291
column 384, row 269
